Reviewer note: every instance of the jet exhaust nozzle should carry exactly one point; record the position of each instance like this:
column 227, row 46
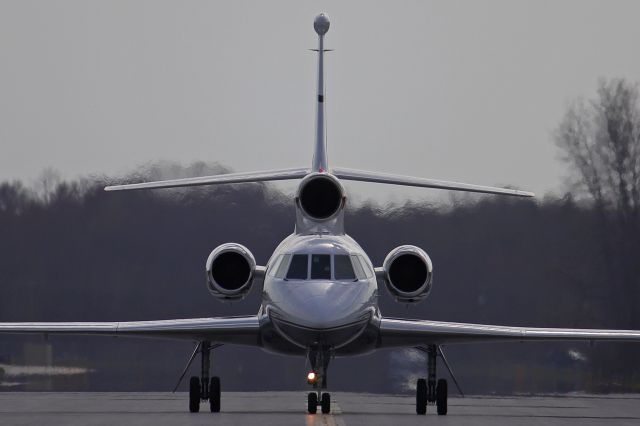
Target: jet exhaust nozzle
column 320, row 196
column 408, row 273
column 230, row 271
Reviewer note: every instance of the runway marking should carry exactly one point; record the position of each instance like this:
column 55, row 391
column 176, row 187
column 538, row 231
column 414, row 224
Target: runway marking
column 333, row 419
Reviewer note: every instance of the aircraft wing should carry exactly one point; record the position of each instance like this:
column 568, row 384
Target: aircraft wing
column 365, row 176
column 243, row 330
column 263, row 176
column 406, row 332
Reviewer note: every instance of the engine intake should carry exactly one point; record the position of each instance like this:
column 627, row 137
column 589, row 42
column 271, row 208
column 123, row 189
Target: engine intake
column 230, row 271
column 408, row 273
column 320, row 196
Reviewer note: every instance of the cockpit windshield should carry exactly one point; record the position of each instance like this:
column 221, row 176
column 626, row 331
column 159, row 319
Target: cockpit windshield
column 298, row 267
column 343, row 269
column 339, row 267
column 320, row 266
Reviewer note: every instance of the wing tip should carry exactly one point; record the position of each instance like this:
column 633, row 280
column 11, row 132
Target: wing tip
column 112, row 188
column 526, row 194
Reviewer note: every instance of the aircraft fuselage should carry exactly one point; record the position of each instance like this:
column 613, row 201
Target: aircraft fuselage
column 309, row 300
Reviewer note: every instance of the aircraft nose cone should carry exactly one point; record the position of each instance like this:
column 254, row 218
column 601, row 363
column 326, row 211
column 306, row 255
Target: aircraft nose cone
column 321, row 24
column 324, row 305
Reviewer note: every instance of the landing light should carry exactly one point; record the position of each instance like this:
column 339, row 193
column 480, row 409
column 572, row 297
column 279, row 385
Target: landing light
column 311, row 377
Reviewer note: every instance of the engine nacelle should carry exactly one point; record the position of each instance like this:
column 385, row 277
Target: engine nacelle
column 230, row 271
column 408, row 273
column 320, row 196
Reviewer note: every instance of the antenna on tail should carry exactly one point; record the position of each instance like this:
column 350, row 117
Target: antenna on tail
column 320, row 163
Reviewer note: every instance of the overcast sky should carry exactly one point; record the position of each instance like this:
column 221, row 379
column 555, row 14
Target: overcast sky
column 459, row 90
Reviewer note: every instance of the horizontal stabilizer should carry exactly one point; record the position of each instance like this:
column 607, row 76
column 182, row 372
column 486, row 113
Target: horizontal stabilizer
column 365, row 176
column 269, row 175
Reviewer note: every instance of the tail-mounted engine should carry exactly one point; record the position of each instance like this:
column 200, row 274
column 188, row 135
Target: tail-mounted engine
column 320, row 202
column 320, row 196
column 231, row 269
column 408, row 273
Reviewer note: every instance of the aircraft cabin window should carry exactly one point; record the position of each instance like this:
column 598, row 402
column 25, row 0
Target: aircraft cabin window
column 298, row 267
column 358, row 267
column 282, row 266
column 320, row 267
column 342, row 267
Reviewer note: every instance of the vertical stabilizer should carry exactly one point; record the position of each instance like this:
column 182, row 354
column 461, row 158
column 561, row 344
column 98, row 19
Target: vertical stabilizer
column 320, row 163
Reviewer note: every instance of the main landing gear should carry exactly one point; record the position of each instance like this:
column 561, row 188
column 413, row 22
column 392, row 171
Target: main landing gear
column 203, row 388
column 317, row 377
column 430, row 391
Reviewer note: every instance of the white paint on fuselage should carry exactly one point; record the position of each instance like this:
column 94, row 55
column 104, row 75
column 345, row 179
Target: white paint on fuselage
column 320, row 305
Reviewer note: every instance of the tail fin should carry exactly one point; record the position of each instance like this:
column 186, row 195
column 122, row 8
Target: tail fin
column 320, row 163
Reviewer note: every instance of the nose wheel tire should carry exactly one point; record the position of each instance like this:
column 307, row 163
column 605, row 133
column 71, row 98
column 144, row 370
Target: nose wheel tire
column 194, row 394
column 326, row 403
column 441, row 397
column 421, row 397
column 312, row 402
column 214, row 395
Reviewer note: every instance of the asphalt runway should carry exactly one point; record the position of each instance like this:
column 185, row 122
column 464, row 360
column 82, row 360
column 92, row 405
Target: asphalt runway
column 288, row 408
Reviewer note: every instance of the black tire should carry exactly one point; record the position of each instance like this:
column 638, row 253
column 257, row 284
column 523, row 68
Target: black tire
column 421, row 397
column 214, row 394
column 326, row 403
column 194, row 394
column 441, row 397
column 312, row 402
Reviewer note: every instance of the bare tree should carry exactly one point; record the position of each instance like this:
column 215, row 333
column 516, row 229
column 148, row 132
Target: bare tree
column 600, row 140
column 46, row 184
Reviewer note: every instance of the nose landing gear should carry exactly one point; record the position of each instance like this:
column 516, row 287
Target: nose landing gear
column 323, row 399
column 325, row 403
column 312, row 402
column 319, row 360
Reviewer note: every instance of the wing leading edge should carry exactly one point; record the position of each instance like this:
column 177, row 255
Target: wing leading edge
column 263, row 176
column 405, row 332
column 242, row 330
column 366, row 176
